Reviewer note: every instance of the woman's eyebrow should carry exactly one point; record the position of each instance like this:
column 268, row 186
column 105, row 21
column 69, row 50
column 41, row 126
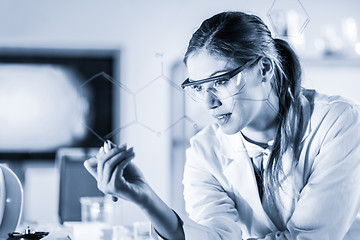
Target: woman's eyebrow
column 219, row 71
column 212, row 75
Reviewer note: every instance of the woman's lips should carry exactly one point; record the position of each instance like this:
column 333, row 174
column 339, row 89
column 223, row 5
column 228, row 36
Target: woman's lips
column 222, row 119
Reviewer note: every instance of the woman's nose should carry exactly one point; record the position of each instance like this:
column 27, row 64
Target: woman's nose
column 211, row 100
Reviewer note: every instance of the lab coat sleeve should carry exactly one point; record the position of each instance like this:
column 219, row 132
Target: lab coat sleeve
column 329, row 202
column 212, row 213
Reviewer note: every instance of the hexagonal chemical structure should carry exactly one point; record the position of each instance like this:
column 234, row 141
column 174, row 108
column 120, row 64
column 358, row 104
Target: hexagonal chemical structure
column 288, row 18
column 196, row 114
column 153, row 101
column 95, row 91
column 127, row 110
column 178, row 75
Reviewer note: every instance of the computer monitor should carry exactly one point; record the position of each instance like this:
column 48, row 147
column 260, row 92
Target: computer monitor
column 75, row 182
column 53, row 98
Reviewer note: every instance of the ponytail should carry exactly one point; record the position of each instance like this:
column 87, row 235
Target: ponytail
column 290, row 63
column 290, row 129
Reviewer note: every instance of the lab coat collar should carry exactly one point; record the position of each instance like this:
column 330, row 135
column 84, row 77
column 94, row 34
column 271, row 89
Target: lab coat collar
column 231, row 145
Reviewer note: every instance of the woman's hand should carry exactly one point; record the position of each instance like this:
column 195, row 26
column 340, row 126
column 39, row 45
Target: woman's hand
column 116, row 175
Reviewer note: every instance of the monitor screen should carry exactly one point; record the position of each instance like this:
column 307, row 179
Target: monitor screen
column 54, row 98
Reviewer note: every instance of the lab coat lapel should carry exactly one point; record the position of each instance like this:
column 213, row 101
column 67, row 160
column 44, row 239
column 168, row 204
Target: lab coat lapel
column 240, row 174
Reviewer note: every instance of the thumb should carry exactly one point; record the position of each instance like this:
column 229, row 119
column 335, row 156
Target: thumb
column 91, row 166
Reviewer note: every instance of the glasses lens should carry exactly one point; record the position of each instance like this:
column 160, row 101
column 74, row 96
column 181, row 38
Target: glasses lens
column 221, row 88
column 196, row 92
column 229, row 88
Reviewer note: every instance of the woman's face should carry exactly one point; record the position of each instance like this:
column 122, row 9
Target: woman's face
column 251, row 108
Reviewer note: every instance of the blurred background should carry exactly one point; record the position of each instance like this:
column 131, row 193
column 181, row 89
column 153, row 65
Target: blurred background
column 75, row 73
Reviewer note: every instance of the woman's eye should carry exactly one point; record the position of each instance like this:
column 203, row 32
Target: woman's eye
column 220, row 82
column 197, row 88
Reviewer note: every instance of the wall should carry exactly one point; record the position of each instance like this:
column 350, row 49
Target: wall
column 149, row 34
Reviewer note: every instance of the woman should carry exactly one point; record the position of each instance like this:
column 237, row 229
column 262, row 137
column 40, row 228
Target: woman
column 280, row 162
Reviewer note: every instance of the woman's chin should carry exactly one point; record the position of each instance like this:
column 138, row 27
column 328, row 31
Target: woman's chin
column 229, row 130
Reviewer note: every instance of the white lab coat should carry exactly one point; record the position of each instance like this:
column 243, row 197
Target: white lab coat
column 320, row 199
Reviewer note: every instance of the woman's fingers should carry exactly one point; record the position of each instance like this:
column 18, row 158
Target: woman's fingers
column 106, row 147
column 100, row 152
column 113, row 182
column 119, row 170
column 91, row 164
column 108, row 154
column 118, row 160
column 108, row 166
column 99, row 167
column 111, row 145
column 122, row 165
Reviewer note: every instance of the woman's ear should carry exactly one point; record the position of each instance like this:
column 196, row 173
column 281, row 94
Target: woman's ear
column 266, row 67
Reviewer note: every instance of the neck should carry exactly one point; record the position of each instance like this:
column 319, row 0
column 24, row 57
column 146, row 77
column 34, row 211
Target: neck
column 260, row 144
column 264, row 130
column 263, row 136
